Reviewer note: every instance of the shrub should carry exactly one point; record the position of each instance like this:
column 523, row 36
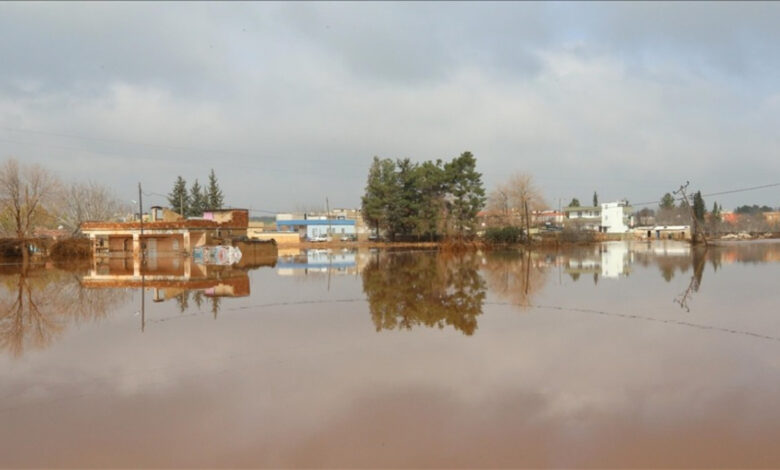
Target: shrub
column 508, row 234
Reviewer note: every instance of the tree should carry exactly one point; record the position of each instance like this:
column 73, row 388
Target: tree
column 431, row 186
column 25, row 193
column 667, row 202
column 699, row 208
column 81, row 202
column 595, row 199
column 215, row 199
column 716, row 212
column 467, row 196
column 380, row 187
column 574, row 202
column 512, row 197
column 197, row 200
column 404, row 203
column 178, row 198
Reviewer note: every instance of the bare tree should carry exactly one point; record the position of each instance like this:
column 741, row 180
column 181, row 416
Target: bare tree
column 81, row 202
column 508, row 201
column 25, row 191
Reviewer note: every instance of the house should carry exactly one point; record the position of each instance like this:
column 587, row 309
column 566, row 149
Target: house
column 314, row 226
column 615, row 217
column 166, row 231
column 584, row 217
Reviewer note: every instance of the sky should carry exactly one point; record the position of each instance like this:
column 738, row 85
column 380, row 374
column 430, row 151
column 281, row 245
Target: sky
column 289, row 103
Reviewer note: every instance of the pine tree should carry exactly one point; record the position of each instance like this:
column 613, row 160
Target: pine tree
column 380, row 187
column 667, row 202
column 178, row 198
column 197, row 200
column 574, row 202
column 214, row 197
column 595, row 199
column 716, row 212
column 699, row 208
column 467, row 195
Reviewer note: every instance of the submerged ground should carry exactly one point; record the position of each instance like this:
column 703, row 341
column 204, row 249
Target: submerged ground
column 619, row 354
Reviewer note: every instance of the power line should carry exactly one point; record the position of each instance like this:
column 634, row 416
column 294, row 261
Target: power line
column 719, row 193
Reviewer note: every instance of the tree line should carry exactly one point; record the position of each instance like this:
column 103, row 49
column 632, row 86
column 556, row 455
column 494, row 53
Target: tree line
column 424, row 200
column 196, row 200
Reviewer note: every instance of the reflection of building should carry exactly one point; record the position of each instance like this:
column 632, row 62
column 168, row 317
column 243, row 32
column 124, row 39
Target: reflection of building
column 168, row 277
column 166, row 231
column 318, row 261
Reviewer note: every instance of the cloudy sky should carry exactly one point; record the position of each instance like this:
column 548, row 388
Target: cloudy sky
column 289, row 102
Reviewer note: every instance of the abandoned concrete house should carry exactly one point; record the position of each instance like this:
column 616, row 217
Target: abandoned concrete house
column 166, row 231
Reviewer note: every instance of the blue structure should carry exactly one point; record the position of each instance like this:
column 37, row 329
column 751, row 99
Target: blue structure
column 312, row 228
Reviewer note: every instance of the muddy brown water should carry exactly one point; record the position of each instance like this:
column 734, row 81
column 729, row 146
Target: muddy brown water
column 615, row 355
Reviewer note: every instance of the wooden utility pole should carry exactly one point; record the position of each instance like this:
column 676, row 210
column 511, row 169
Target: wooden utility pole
column 527, row 223
column 694, row 221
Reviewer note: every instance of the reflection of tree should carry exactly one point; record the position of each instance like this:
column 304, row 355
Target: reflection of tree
column 515, row 276
column 411, row 289
column 38, row 304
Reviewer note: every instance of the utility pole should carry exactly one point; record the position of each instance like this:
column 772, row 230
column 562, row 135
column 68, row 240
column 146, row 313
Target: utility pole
column 695, row 222
column 141, row 213
column 527, row 223
column 327, row 211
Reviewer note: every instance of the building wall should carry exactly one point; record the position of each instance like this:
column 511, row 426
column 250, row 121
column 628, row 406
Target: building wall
column 280, row 237
column 613, row 218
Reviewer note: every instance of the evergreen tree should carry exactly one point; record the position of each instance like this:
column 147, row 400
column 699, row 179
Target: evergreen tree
column 667, row 202
column 574, row 202
column 595, row 199
column 467, row 195
column 380, row 187
column 197, row 200
column 431, row 186
column 178, row 198
column 214, row 198
column 716, row 212
column 699, row 208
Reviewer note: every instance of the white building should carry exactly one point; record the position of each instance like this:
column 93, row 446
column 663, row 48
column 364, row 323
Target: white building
column 615, row 217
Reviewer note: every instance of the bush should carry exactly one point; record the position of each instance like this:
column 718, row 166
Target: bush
column 508, row 234
column 71, row 248
column 11, row 248
column 577, row 235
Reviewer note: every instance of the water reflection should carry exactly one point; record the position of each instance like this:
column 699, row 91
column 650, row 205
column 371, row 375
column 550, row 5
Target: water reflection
column 516, row 275
column 37, row 302
column 411, row 289
column 403, row 289
column 297, row 262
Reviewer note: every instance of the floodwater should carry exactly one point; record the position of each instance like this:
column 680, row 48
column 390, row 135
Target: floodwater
column 616, row 355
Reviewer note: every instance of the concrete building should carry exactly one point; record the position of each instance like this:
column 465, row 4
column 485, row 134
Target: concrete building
column 615, row 217
column 584, row 217
column 311, row 228
column 610, row 217
column 166, row 232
